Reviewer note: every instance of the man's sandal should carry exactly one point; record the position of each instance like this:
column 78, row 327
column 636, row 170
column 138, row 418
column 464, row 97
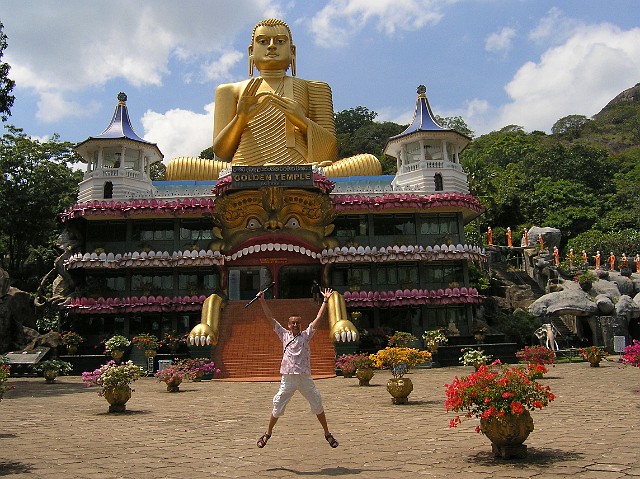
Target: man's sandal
column 331, row 440
column 263, row 440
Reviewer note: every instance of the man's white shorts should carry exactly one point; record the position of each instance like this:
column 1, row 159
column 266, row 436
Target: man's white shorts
column 291, row 383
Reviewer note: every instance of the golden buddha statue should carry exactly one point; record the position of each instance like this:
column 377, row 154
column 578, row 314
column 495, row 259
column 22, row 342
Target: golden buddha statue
column 273, row 119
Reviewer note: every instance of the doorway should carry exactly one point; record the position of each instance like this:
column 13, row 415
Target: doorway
column 295, row 281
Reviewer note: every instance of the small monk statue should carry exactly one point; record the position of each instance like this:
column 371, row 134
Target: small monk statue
column 624, row 262
column 525, row 238
column 597, row 258
column 509, row 243
column 585, row 258
column 571, row 256
column 637, row 261
column 489, row 236
column 612, row 261
column 273, row 119
column 556, row 256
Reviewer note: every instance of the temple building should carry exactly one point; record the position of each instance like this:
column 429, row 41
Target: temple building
column 148, row 255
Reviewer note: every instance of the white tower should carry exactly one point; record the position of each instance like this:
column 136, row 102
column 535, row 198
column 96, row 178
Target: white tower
column 118, row 160
column 428, row 155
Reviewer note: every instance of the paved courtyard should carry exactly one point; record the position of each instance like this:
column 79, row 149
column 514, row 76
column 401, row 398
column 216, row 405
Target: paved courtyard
column 210, row 429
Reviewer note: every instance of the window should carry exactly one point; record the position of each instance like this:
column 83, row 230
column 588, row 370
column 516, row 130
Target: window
column 437, row 179
column 144, row 231
column 438, row 225
column 348, row 227
column 393, row 225
column 194, row 230
column 444, row 275
column 101, row 232
column 108, row 190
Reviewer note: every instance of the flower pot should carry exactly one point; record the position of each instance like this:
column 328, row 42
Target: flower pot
column 150, row 353
column 173, row 385
column 72, row 349
column 348, row 373
column 594, row 363
column 50, row 375
column 508, row 433
column 399, row 388
column 117, row 397
column 116, row 354
column 479, row 337
column 364, row 376
column 197, row 376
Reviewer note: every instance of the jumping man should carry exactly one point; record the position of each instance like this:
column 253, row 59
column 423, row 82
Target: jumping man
column 296, row 368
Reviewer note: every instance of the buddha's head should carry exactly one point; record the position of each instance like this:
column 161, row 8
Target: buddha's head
column 272, row 47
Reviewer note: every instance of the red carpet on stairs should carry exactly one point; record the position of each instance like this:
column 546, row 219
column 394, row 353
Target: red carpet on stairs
column 249, row 350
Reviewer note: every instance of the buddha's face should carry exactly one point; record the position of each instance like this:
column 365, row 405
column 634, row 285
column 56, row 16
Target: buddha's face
column 271, row 48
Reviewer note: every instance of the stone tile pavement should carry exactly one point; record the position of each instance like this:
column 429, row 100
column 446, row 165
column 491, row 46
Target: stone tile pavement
column 210, row 429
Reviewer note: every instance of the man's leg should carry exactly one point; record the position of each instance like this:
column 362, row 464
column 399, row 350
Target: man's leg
column 280, row 400
column 308, row 389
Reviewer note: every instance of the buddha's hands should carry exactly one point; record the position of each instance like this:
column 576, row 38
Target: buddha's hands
column 291, row 109
column 250, row 103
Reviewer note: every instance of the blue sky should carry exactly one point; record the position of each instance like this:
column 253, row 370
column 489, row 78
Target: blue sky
column 493, row 62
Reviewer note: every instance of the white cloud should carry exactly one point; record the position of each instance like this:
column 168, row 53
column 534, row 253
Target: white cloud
column 220, row 70
column 73, row 45
column 578, row 77
column 52, row 106
column 500, row 41
column 339, row 19
column 555, row 27
column 179, row 132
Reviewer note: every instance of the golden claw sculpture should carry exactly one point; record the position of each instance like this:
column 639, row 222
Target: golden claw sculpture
column 206, row 333
column 341, row 330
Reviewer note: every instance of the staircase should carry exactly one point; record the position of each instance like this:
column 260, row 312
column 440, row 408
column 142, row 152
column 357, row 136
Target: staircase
column 249, row 350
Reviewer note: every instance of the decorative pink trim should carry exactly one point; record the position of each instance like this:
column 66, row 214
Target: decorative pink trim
column 413, row 297
column 143, row 259
column 402, row 253
column 138, row 207
column 406, row 200
column 134, row 304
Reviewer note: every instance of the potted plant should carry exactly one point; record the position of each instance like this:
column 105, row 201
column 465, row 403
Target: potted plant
column 71, row 340
column 593, row 354
column 346, row 365
column 173, row 376
column 501, row 397
column 52, row 368
column 4, row 376
column 399, row 361
column 173, row 341
column 400, row 339
column 434, row 338
column 200, row 367
column 116, row 345
column 364, row 367
column 479, row 332
column 114, row 381
column 147, row 342
column 474, row 357
column 632, row 354
column 536, row 355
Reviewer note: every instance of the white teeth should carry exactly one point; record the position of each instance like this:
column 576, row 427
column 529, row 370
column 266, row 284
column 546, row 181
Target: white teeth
column 270, row 247
column 296, row 248
column 263, row 247
column 303, row 250
column 289, row 247
column 245, row 251
column 234, row 256
column 276, row 246
column 251, row 249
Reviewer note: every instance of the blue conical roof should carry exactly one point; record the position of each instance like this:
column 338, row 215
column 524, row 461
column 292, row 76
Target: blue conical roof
column 423, row 117
column 120, row 125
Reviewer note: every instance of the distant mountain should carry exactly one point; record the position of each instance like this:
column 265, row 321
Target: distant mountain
column 617, row 125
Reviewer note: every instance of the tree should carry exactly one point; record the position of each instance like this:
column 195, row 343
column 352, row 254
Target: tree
column 35, row 186
column 570, row 127
column 6, row 84
column 158, row 171
column 456, row 123
column 348, row 121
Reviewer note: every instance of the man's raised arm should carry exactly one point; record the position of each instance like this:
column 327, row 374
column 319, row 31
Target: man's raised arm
column 268, row 315
column 326, row 292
